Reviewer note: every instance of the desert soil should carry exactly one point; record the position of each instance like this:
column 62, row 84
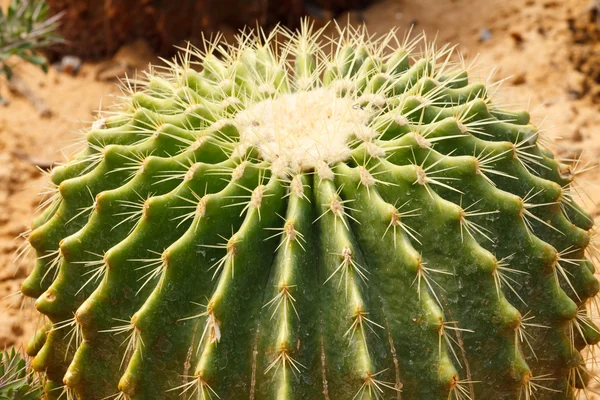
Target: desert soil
column 549, row 51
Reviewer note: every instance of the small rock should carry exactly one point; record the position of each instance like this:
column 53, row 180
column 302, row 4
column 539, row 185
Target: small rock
column 485, row 35
column 133, row 56
column 17, row 329
column 69, row 65
column 519, row 79
column 542, row 31
column 517, row 37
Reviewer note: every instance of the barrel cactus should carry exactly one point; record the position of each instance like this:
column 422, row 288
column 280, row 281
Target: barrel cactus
column 299, row 217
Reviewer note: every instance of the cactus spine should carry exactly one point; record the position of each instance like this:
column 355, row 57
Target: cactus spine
column 305, row 219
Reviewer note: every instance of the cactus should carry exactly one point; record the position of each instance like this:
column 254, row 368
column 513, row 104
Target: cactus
column 318, row 219
column 17, row 380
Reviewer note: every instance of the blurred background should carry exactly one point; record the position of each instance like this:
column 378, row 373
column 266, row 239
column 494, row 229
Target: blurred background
column 547, row 50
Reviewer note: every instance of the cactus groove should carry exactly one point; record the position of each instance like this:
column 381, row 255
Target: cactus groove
column 313, row 218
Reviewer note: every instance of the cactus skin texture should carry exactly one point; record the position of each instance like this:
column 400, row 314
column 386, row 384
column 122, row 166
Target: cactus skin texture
column 17, row 380
column 305, row 219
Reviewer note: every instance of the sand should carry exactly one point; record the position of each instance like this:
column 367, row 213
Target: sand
column 549, row 51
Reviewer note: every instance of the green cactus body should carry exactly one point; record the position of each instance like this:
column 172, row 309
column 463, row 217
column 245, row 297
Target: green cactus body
column 296, row 223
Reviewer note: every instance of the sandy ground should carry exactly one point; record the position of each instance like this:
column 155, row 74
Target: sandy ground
column 549, row 49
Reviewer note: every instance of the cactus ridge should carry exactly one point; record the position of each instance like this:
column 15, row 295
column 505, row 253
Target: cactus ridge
column 309, row 218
